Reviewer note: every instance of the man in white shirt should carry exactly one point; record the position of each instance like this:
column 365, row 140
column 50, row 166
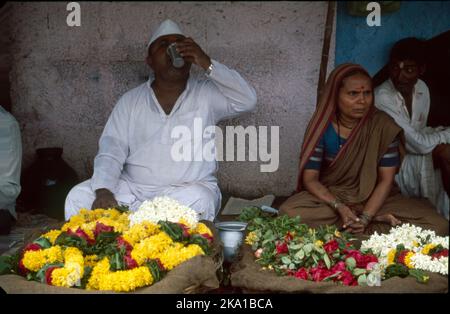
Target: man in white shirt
column 407, row 100
column 135, row 161
column 10, row 164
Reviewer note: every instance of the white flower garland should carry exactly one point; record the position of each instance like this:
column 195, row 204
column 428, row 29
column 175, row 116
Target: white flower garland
column 166, row 209
column 424, row 262
column 414, row 239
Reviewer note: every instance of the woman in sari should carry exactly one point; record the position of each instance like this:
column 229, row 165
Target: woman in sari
column 350, row 155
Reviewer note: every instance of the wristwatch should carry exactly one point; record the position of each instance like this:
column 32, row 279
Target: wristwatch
column 209, row 69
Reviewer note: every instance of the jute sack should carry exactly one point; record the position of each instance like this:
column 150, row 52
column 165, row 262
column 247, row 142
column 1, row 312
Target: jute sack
column 251, row 278
column 197, row 275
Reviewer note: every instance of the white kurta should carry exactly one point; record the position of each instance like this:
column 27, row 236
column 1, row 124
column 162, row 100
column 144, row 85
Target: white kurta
column 134, row 159
column 10, row 161
column 416, row 177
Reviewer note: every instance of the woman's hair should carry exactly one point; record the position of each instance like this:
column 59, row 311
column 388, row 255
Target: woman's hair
column 351, row 73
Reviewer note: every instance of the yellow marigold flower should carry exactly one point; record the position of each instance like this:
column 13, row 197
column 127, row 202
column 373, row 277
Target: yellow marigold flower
column 186, row 223
column 35, row 260
column 251, row 238
column 391, row 256
column 337, row 234
column 408, row 259
column 202, row 228
column 140, row 231
column 102, row 268
column 52, row 235
column 125, row 280
column 318, row 243
column 175, row 255
column 426, row 249
column 150, row 248
column 90, row 260
column 72, row 272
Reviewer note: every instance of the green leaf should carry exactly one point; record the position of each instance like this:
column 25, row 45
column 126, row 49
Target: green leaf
column 200, row 241
column 40, row 275
column 86, row 276
column 362, row 280
column 394, row 270
column 300, row 254
column 359, row 271
column 308, row 248
column 122, row 208
column 420, row 275
column 293, row 247
column 350, row 263
column 155, row 270
column 291, row 266
column 6, row 266
column 173, row 230
column 327, row 261
column 286, row 260
column 43, row 242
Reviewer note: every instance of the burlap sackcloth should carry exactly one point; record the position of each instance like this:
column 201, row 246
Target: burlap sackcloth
column 251, row 278
column 197, row 275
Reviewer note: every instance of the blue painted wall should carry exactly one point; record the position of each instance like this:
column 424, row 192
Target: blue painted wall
column 356, row 42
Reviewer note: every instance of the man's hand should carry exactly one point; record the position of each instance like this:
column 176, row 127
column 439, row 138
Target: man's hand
column 104, row 199
column 191, row 52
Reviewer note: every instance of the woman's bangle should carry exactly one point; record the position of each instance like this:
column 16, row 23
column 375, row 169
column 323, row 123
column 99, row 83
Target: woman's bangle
column 365, row 218
column 335, row 204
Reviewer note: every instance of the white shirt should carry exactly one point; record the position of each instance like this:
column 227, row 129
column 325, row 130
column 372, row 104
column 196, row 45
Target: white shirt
column 10, row 161
column 136, row 143
column 417, row 176
column 420, row 139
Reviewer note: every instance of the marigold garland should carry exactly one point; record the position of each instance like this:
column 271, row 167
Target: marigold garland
column 99, row 250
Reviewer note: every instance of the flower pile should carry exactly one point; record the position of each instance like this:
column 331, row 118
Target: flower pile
column 166, row 209
column 407, row 249
column 101, row 250
column 290, row 248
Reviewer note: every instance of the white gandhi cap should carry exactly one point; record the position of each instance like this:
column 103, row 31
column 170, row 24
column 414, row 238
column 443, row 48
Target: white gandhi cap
column 168, row 27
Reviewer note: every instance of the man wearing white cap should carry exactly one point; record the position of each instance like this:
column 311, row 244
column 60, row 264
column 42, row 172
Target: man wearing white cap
column 135, row 160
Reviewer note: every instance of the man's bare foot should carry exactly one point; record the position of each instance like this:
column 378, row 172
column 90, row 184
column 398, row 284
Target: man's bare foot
column 387, row 218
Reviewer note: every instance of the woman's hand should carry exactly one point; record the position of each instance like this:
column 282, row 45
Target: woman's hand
column 350, row 221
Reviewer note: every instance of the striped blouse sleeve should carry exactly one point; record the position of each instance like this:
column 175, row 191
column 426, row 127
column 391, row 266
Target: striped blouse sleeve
column 392, row 157
column 315, row 161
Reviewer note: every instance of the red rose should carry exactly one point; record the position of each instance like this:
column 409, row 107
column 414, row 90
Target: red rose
column 32, row 247
column 347, row 278
column 302, row 273
column 207, row 237
column 331, row 246
column 442, row 253
column 48, row 274
column 81, row 234
column 185, row 229
column 99, row 227
column 282, row 248
column 361, row 259
column 160, row 265
column 319, row 273
column 340, row 266
column 22, row 269
column 288, row 237
column 131, row 263
column 401, row 257
column 121, row 242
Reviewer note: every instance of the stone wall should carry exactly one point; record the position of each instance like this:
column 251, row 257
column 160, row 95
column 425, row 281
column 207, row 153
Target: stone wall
column 66, row 80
